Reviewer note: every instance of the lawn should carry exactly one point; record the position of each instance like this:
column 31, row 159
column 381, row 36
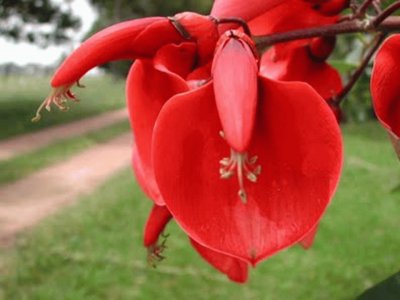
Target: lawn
column 93, row 250
column 21, row 96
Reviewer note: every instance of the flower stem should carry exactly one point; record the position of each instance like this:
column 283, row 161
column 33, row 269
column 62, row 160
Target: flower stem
column 338, row 99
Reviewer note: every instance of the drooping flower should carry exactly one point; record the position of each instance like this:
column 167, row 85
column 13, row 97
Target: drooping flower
column 200, row 120
column 385, row 88
column 285, row 175
column 130, row 40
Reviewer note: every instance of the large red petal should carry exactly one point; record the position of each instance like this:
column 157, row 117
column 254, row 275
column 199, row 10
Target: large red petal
column 126, row 40
column 234, row 72
column 149, row 86
column 299, row 148
column 236, row 269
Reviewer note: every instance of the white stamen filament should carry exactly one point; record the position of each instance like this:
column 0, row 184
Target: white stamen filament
column 58, row 96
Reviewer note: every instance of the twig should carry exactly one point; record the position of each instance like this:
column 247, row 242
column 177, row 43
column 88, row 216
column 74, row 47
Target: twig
column 363, row 8
column 386, row 13
column 338, row 99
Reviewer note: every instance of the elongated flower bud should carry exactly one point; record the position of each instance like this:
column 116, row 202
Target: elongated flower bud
column 126, row 40
column 158, row 219
column 234, row 72
column 321, row 48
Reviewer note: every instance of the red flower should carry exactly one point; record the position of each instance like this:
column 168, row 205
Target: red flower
column 286, row 171
column 385, row 88
column 200, row 119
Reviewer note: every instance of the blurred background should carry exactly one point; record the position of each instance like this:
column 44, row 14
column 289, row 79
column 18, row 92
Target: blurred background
column 93, row 249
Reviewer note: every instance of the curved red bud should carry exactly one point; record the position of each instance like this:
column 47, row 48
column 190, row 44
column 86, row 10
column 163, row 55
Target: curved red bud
column 385, row 88
column 126, row 40
column 322, row 47
column 289, row 172
column 242, row 9
column 150, row 84
column 203, row 30
column 158, row 219
column 236, row 269
column 234, row 73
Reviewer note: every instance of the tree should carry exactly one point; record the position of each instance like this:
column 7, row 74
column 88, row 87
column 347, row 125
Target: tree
column 41, row 21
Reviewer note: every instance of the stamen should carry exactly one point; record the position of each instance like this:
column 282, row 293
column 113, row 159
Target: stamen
column 58, row 96
column 244, row 166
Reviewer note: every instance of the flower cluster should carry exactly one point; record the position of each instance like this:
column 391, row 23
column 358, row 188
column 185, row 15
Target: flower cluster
column 240, row 146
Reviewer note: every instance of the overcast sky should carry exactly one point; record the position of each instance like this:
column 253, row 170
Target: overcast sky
column 23, row 53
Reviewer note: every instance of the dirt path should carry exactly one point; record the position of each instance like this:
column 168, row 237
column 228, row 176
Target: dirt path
column 27, row 201
column 33, row 141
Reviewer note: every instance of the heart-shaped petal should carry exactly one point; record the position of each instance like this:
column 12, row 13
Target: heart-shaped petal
column 289, row 173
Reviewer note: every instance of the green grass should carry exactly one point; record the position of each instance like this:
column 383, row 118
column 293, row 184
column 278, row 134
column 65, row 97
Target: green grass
column 93, row 249
column 21, row 96
column 25, row 164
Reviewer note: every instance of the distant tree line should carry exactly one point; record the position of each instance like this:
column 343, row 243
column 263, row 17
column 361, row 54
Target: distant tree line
column 36, row 21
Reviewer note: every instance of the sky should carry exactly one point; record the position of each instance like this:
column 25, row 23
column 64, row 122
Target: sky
column 24, row 53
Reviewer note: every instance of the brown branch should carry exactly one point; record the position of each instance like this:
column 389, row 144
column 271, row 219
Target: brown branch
column 390, row 24
column 386, row 13
column 363, row 8
column 337, row 99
